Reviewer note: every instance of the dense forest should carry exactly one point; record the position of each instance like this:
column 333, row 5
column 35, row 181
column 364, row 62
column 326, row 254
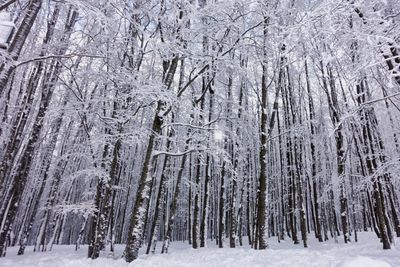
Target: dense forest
column 143, row 122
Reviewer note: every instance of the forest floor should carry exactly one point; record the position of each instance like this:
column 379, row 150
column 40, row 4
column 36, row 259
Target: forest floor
column 367, row 252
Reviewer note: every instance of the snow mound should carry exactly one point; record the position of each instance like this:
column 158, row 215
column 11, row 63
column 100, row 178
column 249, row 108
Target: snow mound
column 365, row 253
column 361, row 261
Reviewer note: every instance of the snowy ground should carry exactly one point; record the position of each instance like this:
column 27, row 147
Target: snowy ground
column 366, row 253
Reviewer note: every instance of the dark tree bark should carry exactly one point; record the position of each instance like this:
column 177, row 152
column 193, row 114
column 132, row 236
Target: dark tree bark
column 136, row 227
column 18, row 42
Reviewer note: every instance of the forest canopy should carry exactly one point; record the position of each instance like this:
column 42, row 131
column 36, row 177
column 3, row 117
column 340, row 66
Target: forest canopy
column 137, row 122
